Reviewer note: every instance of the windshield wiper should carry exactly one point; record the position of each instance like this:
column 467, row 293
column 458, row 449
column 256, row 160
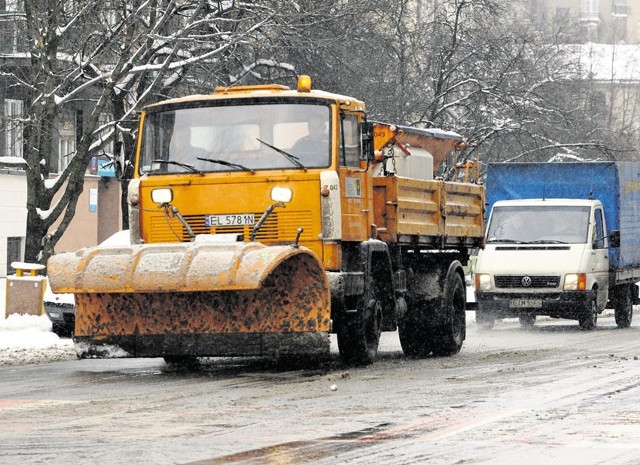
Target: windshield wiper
column 547, row 241
column 227, row 163
column 292, row 158
column 511, row 241
column 177, row 163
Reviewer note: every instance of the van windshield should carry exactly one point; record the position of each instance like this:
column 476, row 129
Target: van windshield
column 243, row 137
column 539, row 224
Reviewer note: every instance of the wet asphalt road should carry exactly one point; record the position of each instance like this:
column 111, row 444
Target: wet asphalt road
column 551, row 394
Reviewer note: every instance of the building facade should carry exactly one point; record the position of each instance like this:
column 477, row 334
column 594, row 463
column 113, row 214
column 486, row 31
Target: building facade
column 98, row 210
column 13, row 218
column 599, row 21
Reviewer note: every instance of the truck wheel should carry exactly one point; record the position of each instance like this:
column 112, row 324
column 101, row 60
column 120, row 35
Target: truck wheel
column 359, row 333
column 414, row 339
column 623, row 305
column 589, row 318
column 527, row 320
column 449, row 338
column 485, row 320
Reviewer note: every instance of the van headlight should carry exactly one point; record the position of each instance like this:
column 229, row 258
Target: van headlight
column 483, row 282
column 575, row 282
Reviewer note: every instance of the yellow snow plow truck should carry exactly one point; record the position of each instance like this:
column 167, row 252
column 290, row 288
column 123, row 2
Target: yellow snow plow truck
column 263, row 218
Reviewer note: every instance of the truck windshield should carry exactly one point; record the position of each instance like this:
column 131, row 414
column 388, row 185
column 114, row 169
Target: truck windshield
column 539, row 224
column 236, row 138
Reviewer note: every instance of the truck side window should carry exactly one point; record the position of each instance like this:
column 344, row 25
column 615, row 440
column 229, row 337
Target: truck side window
column 349, row 141
column 598, row 238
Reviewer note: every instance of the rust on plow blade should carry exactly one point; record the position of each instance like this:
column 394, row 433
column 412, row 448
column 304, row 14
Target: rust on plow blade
column 195, row 299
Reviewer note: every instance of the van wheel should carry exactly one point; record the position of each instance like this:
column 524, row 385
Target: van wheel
column 589, row 318
column 182, row 361
column 527, row 320
column 485, row 320
column 623, row 305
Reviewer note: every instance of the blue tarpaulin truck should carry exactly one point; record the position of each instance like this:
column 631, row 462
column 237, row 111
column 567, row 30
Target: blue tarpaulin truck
column 562, row 240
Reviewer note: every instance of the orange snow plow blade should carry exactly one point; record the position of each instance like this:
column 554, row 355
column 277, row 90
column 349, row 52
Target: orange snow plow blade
column 195, row 299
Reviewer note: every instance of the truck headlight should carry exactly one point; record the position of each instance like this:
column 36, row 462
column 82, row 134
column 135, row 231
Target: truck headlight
column 575, row 282
column 162, row 196
column 483, row 282
column 281, row 194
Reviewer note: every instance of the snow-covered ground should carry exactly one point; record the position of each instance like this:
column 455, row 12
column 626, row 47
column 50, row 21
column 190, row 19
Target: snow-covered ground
column 28, row 338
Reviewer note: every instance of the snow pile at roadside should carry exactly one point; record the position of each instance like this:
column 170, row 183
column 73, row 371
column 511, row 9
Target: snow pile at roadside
column 26, row 339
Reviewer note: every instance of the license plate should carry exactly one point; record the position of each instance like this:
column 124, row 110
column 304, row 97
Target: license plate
column 525, row 303
column 242, row 219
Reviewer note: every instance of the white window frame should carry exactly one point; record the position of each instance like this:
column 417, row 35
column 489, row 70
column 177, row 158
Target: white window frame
column 13, row 6
column 15, row 252
column 66, row 144
column 109, row 13
column 591, row 8
column 103, row 120
column 14, row 128
column 620, row 8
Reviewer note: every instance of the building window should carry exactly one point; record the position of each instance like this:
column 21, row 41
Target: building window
column 591, row 9
column 103, row 123
column 14, row 252
column 620, row 7
column 13, row 127
column 67, row 144
column 13, row 6
column 12, row 26
column 562, row 14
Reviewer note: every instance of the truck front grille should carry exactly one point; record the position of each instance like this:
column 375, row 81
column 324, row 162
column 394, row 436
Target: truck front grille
column 279, row 226
column 526, row 281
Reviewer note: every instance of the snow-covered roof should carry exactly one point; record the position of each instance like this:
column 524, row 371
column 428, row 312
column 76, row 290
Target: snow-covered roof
column 608, row 62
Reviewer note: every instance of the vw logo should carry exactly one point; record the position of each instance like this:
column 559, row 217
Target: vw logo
column 526, row 281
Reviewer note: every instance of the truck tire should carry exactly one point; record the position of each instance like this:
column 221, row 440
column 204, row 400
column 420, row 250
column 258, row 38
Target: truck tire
column 588, row 320
column 415, row 340
column 485, row 320
column 359, row 332
column 448, row 339
column 623, row 305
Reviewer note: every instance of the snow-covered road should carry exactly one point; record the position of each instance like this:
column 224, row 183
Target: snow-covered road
column 549, row 394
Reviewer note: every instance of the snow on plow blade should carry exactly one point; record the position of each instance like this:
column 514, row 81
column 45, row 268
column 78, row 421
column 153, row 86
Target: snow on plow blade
column 195, row 299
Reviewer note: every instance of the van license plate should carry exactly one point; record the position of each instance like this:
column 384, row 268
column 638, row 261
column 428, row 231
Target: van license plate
column 241, row 219
column 525, row 303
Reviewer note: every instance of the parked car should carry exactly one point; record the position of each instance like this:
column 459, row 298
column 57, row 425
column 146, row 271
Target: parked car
column 61, row 310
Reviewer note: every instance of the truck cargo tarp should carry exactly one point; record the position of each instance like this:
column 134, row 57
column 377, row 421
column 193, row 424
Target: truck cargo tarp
column 615, row 184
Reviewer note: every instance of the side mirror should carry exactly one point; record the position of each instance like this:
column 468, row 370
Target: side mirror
column 366, row 134
column 614, row 238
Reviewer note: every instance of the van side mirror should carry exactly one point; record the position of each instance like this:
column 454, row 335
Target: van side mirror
column 614, row 238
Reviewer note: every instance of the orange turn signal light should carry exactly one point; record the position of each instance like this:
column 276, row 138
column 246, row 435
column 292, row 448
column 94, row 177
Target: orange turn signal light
column 304, row 83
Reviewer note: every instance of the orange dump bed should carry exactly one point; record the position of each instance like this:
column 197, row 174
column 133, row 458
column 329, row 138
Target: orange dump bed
column 441, row 213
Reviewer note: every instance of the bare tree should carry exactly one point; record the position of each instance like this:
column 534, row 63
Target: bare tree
column 114, row 56
column 495, row 72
